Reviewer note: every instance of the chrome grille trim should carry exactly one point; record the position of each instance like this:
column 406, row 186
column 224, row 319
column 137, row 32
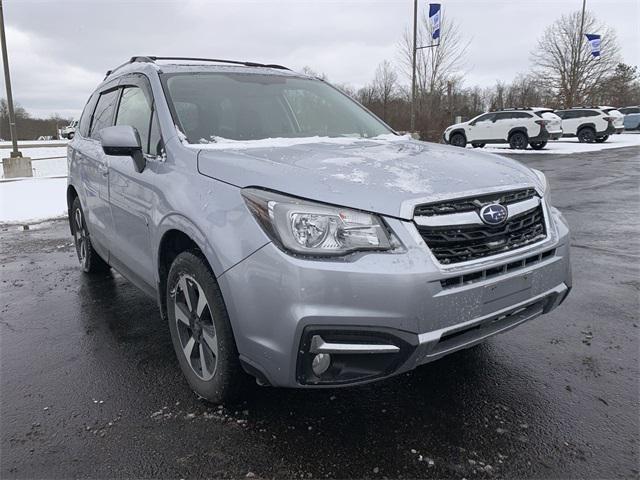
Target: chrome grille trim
column 472, row 218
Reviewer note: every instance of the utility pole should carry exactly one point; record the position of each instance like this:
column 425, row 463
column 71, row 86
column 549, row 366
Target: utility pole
column 413, row 66
column 577, row 58
column 16, row 165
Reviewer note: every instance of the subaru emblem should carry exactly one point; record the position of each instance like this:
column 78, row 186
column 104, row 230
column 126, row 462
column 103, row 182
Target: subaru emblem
column 494, row 214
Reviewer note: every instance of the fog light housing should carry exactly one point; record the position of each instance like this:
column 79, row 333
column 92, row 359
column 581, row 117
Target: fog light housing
column 330, row 355
column 320, row 363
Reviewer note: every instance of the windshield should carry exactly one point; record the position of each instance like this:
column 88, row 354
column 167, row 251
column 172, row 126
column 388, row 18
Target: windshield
column 212, row 107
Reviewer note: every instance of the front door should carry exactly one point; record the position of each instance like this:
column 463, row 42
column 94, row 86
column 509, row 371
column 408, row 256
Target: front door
column 481, row 129
column 133, row 194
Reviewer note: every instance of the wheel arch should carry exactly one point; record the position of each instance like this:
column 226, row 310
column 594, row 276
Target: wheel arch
column 586, row 125
column 460, row 131
column 177, row 234
column 520, row 129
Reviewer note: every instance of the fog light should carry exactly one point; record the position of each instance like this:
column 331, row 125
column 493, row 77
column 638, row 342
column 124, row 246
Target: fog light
column 320, row 363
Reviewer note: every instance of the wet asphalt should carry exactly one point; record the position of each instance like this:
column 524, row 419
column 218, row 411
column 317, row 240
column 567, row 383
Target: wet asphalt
column 90, row 386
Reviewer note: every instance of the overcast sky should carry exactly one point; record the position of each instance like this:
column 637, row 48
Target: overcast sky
column 60, row 49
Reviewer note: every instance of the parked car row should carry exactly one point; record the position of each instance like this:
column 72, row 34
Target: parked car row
column 535, row 126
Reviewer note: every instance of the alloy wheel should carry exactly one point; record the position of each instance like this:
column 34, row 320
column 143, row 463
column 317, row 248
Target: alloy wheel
column 195, row 327
column 80, row 237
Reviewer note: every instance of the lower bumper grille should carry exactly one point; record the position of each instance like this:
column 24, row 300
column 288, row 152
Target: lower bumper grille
column 461, row 243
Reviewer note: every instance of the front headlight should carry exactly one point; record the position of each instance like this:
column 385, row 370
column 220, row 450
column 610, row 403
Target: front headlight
column 310, row 228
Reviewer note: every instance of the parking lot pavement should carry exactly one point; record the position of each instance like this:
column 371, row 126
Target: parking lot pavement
column 90, row 386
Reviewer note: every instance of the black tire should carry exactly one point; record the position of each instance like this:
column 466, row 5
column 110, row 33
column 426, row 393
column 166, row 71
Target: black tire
column 538, row 145
column 458, row 140
column 586, row 135
column 90, row 261
column 478, row 145
column 213, row 371
column 518, row 141
column 602, row 139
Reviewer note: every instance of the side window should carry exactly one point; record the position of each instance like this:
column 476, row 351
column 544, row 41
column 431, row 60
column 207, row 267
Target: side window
column 103, row 115
column 85, row 118
column 590, row 113
column 561, row 114
column 135, row 110
column 503, row 116
column 521, row 115
column 485, row 118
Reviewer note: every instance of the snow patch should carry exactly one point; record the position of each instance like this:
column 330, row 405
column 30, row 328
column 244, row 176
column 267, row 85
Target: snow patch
column 219, row 143
column 33, row 199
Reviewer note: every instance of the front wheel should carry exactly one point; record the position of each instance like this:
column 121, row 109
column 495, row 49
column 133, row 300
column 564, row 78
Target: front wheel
column 538, row 145
column 200, row 330
column 458, row 140
column 89, row 259
column 518, row 141
column 602, row 139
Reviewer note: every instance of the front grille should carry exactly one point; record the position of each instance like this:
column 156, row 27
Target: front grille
column 461, row 243
column 471, row 204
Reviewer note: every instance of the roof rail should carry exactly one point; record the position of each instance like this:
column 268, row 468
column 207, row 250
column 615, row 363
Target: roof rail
column 511, row 108
column 153, row 59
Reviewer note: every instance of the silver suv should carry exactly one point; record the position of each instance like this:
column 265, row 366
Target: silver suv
column 289, row 235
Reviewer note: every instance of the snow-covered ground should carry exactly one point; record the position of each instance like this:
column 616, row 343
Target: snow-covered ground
column 33, row 199
column 571, row 145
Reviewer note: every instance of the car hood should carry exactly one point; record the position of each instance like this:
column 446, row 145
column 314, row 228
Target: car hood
column 381, row 176
column 457, row 125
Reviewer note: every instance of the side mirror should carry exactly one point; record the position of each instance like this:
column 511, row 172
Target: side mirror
column 123, row 140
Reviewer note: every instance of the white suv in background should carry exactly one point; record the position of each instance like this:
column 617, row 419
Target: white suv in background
column 588, row 124
column 519, row 127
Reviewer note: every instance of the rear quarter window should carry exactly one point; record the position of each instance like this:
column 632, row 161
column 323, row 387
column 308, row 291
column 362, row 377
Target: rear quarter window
column 85, row 118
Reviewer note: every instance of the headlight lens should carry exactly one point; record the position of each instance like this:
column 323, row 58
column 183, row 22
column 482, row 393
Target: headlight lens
column 310, row 228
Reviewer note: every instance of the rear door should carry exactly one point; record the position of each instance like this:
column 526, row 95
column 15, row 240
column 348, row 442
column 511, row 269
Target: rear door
column 570, row 120
column 502, row 124
column 133, row 194
column 95, row 172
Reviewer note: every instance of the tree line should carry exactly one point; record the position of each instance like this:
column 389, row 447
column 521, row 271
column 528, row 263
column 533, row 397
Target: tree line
column 563, row 74
column 29, row 128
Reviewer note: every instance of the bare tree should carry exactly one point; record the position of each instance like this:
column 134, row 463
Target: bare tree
column 563, row 60
column 437, row 72
column 385, row 84
column 434, row 66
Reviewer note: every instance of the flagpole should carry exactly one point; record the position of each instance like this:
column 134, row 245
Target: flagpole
column 413, row 66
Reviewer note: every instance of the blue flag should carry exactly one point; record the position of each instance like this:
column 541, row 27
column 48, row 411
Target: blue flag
column 594, row 41
column 434, row 17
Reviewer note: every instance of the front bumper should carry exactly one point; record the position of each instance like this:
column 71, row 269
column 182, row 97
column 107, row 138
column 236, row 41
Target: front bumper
column 277, row 303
